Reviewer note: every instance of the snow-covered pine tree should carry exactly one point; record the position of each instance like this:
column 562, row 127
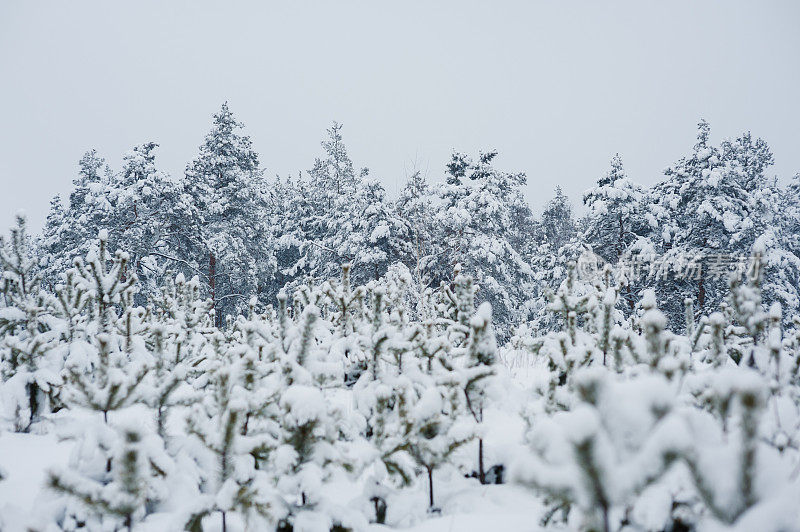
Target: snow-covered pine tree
column 379, row 236
column 566, row 349
column 346, row 313
column 69, row 235
column 231, row 485
column 186, row 316
column 615, row 218
column 347, row 302
column 455, row 305
column 428, row 396
column 478, row 369
column 335, row 174
column 431, row 425
column 783, row 277
column 716, row 410
column 131, row 204
column 312, row 445
column 750, row 156
column 339, row 227
column 573, row 465
column 108, row 378
column 749, row 406
column 165, row 388
column 291, row 218
column 556, row 248
column 50, row 240
column 558, row 224
column 115, row 480
column 139, row 196
column 29, row 368
column 380, row 334
column 381, row 393
column 473, row 346
column 118, row 471
column 476, row 222
column 387, row 386
column 593, row 461
column 220, row 217
column 415, row 206
column 259, row 375
column 712, row 208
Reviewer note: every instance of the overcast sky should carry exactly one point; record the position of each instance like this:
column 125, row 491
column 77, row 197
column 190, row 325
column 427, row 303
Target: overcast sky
column 556, row 87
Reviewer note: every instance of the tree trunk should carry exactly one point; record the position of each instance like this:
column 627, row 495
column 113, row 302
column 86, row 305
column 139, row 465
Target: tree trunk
column 160, row 422
column 629, row 296
column 481, row 472
column 212, row 276
column 620, row 250
column 380, row 510
column 701, row 290
column 33, row 403
column 430, row 487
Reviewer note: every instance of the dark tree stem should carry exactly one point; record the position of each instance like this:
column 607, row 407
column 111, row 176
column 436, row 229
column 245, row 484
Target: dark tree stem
column 481, row 472
column 430, row 486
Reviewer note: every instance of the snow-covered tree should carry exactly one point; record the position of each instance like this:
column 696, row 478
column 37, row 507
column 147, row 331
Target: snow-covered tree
column 615, row 218
column 106, row 378
column 478, row 369
column 379, row 236
column 312, row 443
column 115, row 480
column 138, row 196
column 594, row 460
column 165, row 389
column 69, row 232
column 231, row 485
column 29, row 367
column 558, row 224
column 335, row 173
column 345, row 216
column 415, row 206
column 431, row 424
column 555, row 250
column 712, row 209
column 219, row 217
column 129, row 204
column 296, row 353
column 291, row 218
column 475, row 222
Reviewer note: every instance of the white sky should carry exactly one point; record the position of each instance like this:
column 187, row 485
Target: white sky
column 556, row 87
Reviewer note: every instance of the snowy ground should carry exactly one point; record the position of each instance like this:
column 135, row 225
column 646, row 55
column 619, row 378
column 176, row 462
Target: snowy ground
column 25, row 459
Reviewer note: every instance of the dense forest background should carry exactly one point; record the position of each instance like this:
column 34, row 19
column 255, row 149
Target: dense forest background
column 245, row 234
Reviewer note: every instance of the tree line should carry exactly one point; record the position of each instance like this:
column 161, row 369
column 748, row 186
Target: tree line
column 244, row 234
